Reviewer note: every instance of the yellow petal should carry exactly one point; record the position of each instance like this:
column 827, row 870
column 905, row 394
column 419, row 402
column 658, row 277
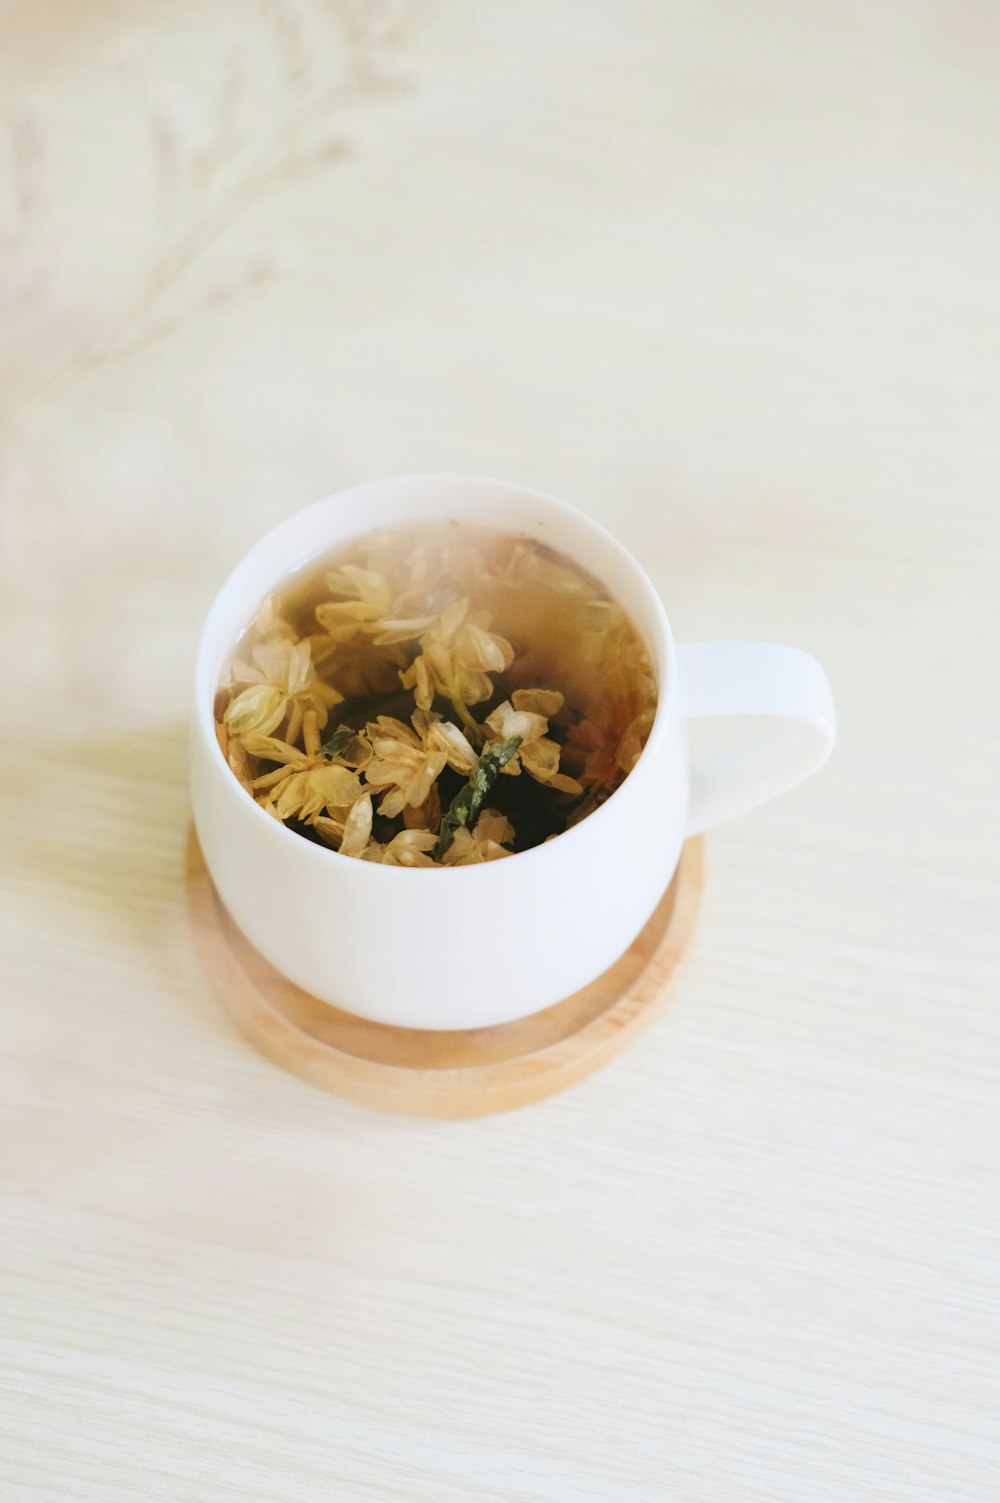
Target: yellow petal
column 323, row 694
column 330, row 830
column 446, row 737
column 633, row 741
column 343, row 619
column 392, row 803
column 337, row 786
column 425, row 816
column 541, row 759
column 472, row 852
column 322, row 646
column 360, row 584
column 410, row 848
column 531, row 566
column 270, row 749
column 261, row 708
column 274, row 660
column 272, row 779
column 387, row 728
column 401, row 631
column 461, row 848
column 357, row 827
column 293, row 799
column 451, row 618
column 547, row 702
column 418, row 678
column 506, row 721
column 424, row 776
column 269, row 622
column 294, row 720
column 300, row 668
column 474, row 686
column 492, row 825
column 564, row 783
column 480, row 649
column 489, row 850
column 240, row 764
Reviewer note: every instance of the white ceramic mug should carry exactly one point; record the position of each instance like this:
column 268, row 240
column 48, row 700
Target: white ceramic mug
column 467, row 947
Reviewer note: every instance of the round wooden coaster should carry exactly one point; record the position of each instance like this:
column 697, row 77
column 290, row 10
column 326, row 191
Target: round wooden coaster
column 465, row 1073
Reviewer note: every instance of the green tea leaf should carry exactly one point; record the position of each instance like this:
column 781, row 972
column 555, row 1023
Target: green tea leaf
column 341, row 736
column 468, row 801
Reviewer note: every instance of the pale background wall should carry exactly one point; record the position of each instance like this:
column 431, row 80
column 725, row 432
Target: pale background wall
column 726, row 277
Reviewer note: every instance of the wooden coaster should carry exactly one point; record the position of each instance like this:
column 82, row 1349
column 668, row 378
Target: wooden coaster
column 462, row 1073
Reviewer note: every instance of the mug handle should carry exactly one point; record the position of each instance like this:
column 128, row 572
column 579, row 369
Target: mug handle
column 754, row 678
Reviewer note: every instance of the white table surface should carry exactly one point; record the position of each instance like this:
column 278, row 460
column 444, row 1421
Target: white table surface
column 726, row 276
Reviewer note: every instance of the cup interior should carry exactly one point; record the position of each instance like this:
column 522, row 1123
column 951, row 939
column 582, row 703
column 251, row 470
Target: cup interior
column 407, row 501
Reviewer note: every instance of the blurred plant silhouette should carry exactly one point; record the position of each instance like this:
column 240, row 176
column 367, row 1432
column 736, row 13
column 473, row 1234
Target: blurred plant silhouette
column 215, row 153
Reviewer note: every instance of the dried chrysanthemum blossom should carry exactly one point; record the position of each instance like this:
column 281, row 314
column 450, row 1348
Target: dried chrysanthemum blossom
column 305, row 783
column 528, row 718
column 302, row 792
column 486, row 841
column 442, row 566
column 235, row 754
column 359, row 667
column 425, row 816
column 606, row 744
column 457, row 654
column 281, row 686
column 269, row 623
column 441, row 735
column 363, row 598
column 632, row 742
column 408, row 848
column 404, row 763
column 348, row 832
column 606, row 637
column 527, row 565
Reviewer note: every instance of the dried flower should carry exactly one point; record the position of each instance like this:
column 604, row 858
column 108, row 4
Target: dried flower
column 308, row 787
column 358, row 667
column 441, row 735
column 408, row 848
column 528, row 718
column 235, row 754
column 348, row 833
column 486, row 841
column 363, row 599
column 281, row 683
column 425, row 816
column 527, row 566
column 406, row 763
column 402, row 764
column 305, row 783
column 269, row 622
column 458, row 653
column 605, row 743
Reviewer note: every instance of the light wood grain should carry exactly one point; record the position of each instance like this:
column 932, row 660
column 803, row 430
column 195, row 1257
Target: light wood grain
column 726, row 277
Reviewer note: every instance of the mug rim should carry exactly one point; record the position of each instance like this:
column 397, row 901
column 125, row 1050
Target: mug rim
column 204, row 695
